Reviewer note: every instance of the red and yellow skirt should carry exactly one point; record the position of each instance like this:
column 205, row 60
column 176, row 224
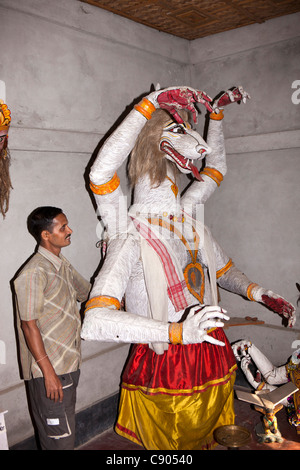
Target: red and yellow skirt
column 175, row 401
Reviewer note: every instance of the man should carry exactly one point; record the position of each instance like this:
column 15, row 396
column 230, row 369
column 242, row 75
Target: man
column 49, row 324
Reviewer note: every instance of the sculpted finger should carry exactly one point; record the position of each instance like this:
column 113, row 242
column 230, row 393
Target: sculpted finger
column 215, row 341
column 215, row 308
column 206, row 325
column 213, row 315
column 292, row 320
column 192, row 109
column 175, row 114
column 193, row 311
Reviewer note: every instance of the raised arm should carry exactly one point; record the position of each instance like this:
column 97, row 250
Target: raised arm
column 104, row 180
column 215, row 162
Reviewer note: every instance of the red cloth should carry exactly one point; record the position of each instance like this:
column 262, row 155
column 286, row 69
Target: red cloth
column 200, row 366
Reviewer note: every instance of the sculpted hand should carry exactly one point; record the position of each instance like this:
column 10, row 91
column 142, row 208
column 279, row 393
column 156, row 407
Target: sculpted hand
column 280, row 305
column 275, row 302
column 240, row 349
column 199, row 321
column 175, row 98
column 245, row 363
column 236, row 94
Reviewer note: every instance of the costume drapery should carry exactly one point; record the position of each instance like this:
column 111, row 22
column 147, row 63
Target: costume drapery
column 176, row 398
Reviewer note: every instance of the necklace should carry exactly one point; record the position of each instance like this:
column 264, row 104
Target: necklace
column 174, row 186
column 193, row 272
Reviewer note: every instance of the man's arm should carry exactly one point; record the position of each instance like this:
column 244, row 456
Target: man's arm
column 35, row 344
column 81, row 285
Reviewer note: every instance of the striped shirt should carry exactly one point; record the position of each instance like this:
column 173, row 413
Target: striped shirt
column 47, row 291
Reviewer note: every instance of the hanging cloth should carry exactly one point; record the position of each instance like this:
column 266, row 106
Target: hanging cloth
column 163, row 274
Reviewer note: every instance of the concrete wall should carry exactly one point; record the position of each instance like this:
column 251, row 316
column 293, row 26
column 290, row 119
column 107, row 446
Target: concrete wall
column 255, row 213
column 71, row 70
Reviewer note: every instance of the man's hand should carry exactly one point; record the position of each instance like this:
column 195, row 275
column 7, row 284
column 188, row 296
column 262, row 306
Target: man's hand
column 199, row 321
column 53, row 386
column 36, row 346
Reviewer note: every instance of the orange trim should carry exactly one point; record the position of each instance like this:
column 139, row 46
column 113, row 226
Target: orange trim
column 174, row 187
column 217, row 116
column 175, row 333
column 172, row 228
column 214, row 174
column 250, row 289
column 102, row 301
column 224, row 270
column 106, row 188
column 261, row 386
column 146, row 108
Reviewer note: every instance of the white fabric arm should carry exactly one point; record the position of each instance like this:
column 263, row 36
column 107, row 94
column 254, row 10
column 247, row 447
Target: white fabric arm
column 234, row 281
column 117, row 148
column 245, row 362
column 122, row 255
column 104, row 324
column 215, row 140
column 200, row 191
column 272, row 375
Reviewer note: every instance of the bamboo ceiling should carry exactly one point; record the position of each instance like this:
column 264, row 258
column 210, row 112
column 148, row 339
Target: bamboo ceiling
column 192, row 19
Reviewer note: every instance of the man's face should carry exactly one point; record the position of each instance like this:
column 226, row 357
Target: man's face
column 60, row 235
column 3, row 137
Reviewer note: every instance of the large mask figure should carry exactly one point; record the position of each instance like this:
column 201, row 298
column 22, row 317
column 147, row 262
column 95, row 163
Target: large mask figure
column 5, row 182
column 177, row 386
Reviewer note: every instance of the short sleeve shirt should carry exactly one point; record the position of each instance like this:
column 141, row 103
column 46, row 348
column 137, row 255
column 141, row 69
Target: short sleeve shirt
column 47, row 291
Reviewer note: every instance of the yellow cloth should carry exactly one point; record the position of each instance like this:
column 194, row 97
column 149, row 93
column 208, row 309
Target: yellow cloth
column 173, row 422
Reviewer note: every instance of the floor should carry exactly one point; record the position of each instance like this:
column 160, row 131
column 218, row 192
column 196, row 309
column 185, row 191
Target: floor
column 246, row 416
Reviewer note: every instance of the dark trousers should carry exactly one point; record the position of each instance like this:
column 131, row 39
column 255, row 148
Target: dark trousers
column 55, row 422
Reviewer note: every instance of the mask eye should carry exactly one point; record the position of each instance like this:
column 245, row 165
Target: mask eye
column 178, row 129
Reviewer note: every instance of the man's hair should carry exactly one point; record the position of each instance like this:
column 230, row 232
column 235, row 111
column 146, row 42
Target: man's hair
column 41, row 219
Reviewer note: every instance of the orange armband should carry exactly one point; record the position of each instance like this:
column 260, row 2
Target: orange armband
column 146, row 108
column 175, row 333
column 106, row 188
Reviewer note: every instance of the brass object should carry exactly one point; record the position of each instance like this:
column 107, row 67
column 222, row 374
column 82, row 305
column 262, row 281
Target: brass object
column 232, row 436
